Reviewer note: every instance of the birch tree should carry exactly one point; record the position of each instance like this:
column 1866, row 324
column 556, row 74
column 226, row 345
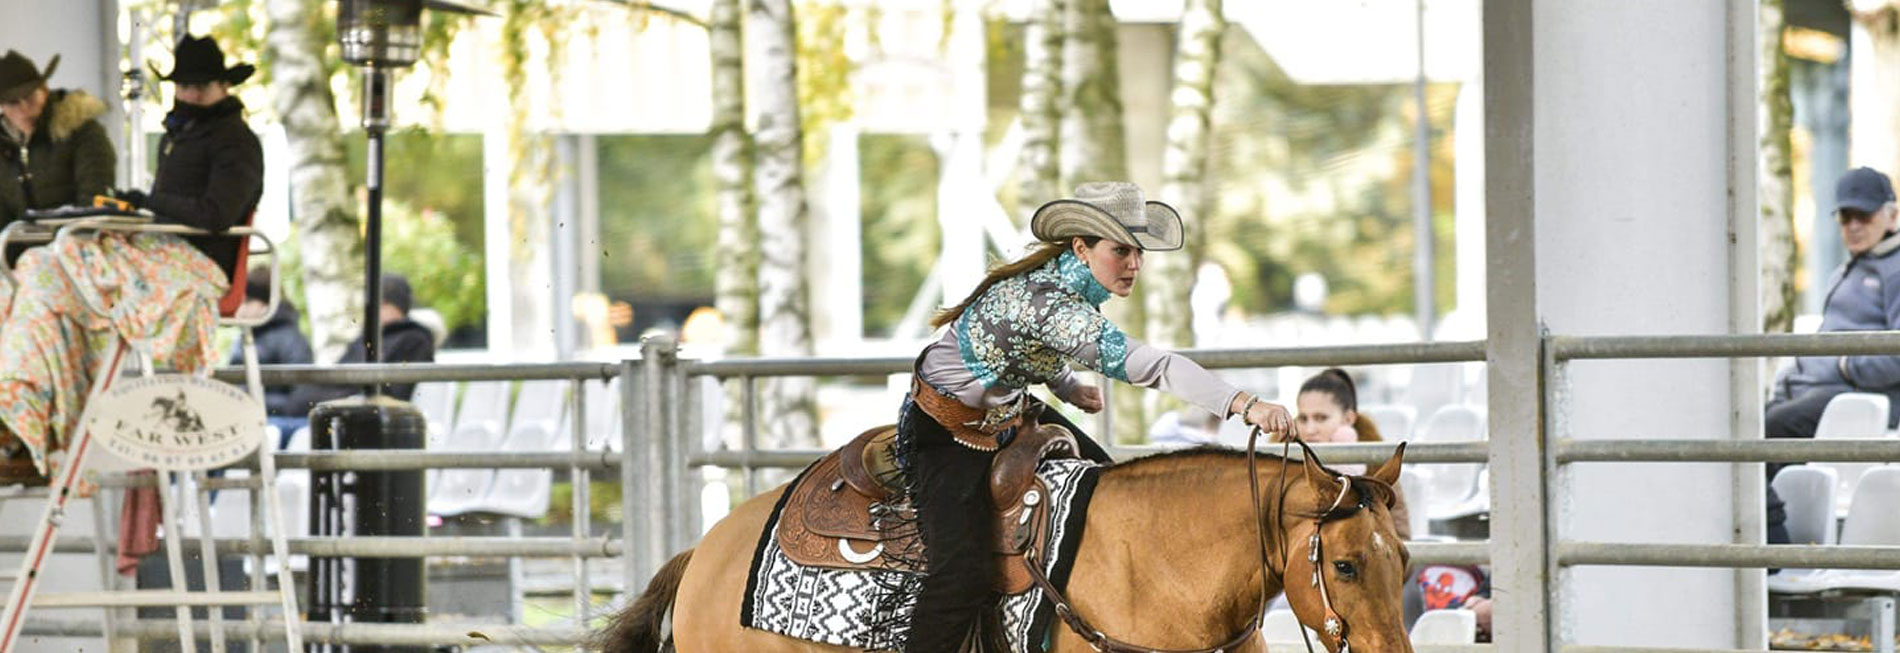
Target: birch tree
column 530, row 174
column 789, row 403
column 1170, row 276
column 737, row 285
column 1775, row 177
column 1037, row 166
column 1093, row 148
column 1092, row 144
column 322, row 209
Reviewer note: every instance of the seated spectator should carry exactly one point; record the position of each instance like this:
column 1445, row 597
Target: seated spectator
column 1449, row 587
column 53, row 151
column 280, row 341
column 404, row 341
column 1863, row 295
column 1329, row 412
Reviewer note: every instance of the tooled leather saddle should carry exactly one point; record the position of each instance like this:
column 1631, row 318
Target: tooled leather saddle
column 850, row 510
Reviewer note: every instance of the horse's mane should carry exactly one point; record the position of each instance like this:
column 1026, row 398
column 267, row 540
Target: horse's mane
column 1368, row 489
column 1179, row 456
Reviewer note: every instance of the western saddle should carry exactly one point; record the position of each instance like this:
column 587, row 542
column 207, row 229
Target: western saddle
column 850, row 510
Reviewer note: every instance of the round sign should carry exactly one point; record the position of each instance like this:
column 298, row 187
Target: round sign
column 173, row 421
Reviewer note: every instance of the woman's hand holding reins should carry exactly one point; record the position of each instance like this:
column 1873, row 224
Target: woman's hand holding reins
column 1269, row 416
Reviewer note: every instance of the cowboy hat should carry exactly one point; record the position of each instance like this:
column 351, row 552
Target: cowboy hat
column 1109, row 209
column 197, row 60
column 18, row 75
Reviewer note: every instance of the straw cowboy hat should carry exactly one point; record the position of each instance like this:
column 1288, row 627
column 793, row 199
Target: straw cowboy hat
column 18, row 75
column 1110, row 209
column 198, row 60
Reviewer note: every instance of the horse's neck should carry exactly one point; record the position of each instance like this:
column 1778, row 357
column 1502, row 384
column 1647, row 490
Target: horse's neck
column 1179, row 541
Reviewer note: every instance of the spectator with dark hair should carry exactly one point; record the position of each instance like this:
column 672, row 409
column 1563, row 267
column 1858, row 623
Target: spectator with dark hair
column 404, row 341
column 280, row 341
column 1329, row 412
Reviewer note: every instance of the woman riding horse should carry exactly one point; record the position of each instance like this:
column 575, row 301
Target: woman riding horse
column 1023, row 325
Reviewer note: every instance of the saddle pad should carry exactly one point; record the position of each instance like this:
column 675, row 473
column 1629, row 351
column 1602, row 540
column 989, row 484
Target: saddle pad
column 871, row 609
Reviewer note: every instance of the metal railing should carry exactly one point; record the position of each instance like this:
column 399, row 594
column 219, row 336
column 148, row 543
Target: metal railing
column 662, row 430
column 581, row 546
column 1558, row 351
column 1746, row 450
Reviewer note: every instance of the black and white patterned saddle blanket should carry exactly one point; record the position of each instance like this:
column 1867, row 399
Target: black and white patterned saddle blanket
column 871, row 609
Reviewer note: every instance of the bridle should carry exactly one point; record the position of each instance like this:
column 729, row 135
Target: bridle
column 1334, row 624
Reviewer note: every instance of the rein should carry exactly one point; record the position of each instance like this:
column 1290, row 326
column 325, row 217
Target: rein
column 1334, row 625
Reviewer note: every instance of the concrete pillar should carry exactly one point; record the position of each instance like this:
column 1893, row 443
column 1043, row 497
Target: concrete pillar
column 1614, row 134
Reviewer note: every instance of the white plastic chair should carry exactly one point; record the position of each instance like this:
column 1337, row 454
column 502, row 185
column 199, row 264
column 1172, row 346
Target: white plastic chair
column 1415, row 485
column 1446, row 627
column 1454, row 489
column 478, row 427
column 1394, row 421
column 1851, row 416
column 1435, row 386
column 1809, row 493
column 1873, row 520
column 437, row 403
column 535, row 426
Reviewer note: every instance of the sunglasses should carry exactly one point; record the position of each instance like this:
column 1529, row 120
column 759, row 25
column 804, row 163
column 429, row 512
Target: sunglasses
column 1848, row 216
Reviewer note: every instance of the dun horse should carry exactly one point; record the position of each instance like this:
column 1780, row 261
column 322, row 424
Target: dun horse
column 1170, row 558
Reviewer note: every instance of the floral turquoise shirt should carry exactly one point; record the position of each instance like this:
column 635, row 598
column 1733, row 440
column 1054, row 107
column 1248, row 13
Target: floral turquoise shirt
column 1030, row 328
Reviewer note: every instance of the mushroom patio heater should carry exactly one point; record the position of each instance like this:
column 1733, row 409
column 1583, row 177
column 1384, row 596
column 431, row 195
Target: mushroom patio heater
column 379, row 36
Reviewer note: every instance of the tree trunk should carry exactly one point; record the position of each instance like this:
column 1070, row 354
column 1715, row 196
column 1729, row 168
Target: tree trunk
column 1779, row 255
column 1037, row 169
column 737, row 294
column 530, row 189
column 1092, row 145
column 788, row 404
column 328, row 231
column 1093, row 149
column 1170, row 276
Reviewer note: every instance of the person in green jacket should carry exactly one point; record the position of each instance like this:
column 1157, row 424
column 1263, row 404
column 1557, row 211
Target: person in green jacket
column 53, row 151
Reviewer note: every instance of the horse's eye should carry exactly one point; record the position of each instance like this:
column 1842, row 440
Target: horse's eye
column 1345, row 570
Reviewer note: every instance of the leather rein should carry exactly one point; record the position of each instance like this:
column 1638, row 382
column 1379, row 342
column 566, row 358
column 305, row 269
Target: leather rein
column 1335, row 625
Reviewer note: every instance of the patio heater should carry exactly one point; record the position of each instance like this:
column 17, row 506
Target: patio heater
column 378, row 36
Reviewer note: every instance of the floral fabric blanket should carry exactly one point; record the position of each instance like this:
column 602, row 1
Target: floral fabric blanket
column 74, row 299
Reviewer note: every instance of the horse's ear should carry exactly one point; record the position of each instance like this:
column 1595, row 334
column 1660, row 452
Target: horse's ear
column 1325, row 487
column 1388, row 473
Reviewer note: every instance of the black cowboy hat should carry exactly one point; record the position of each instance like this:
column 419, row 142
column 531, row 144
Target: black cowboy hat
column 18, row 75
column 197, row 60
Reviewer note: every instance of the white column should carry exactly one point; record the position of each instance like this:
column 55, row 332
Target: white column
column 1631, row 165
column 1466, row 321
column 962, row 191
column 837, row 224
column 564, row 244
column 1871, row 136
column 496, row 237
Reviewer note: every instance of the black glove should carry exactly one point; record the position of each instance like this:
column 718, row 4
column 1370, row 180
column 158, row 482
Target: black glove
column 132, row 196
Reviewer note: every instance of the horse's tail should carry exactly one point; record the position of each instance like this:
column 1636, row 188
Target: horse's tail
column 638, row 628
